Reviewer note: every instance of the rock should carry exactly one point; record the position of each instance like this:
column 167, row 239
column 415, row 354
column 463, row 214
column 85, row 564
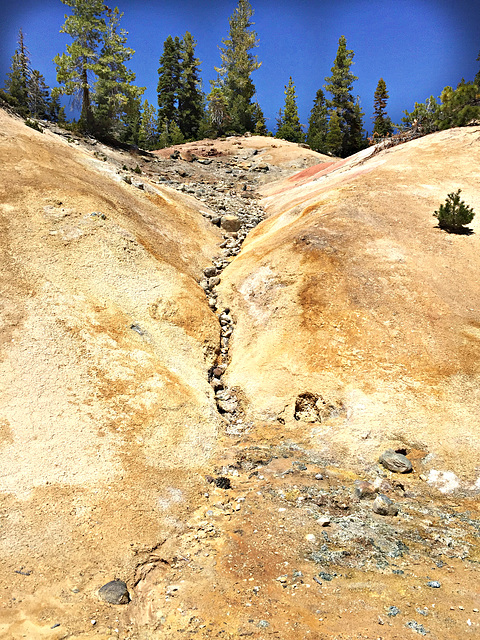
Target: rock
column 434, row 584
column 228, row 406
column 115, row 592
column 210, row 272
column 222, row 482
column 393, row 611
column 212, row 282
column 364, row 490
column 384, row 506
column 204, row 160
column 396, row 462
column 415, row 626
column 230, row 223
column 175, row 154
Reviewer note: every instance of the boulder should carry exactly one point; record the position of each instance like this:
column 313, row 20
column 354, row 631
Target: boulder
column 396, row 462
column 384, row 506
column 230, row 223
column 115, row 592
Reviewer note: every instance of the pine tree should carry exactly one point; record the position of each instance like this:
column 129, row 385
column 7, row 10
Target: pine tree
column 424, row 116
column 19, row 75
column 86, row 27
column 218, row 111
column 260, row 123
column 335, row 135
column 459, row 107
column 55, row 112
column 340, row 85
column 358, row 137
column 190, row 95
column 238, row 63
column 290, row 128
column 477, row 77
column 38, row 95
column 114, row 85
column 382, row 125
column 318, row 124
column 148, row 134
column 168, row 86
column 131, row 121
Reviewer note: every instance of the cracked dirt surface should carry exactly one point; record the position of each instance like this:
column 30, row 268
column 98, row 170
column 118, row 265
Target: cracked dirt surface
column 116, row 463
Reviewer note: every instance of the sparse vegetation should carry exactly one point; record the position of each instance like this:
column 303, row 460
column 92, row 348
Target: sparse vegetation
column 33, row 124
column 454, row 214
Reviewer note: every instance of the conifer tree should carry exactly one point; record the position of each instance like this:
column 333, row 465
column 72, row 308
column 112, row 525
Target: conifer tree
column 340, row 86
column 335, row 135
column 238, row 63
column 260, row 123
column 114, row 85
column 458, row 107
column 358, row 137
column 55, row 112
column 318, row 124
column 382, row 125
column 168, row 86
column 218, row 110
column 38, row 95
column 86, row 27
column 19, row 75
column 190, row 95
column 290, row 128
column 477, row 77
column 148, row 134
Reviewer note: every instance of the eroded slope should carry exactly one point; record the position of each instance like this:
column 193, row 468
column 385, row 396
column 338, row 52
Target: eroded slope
column 357, row 318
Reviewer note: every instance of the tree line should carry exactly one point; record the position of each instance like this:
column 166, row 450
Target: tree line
column 94, row 72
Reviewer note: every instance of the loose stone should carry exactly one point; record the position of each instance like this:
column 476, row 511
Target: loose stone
column 395, row 462
column 434, row 584
column 230, row 223
column 383, row 506
column 115, row 592
column 364, row 490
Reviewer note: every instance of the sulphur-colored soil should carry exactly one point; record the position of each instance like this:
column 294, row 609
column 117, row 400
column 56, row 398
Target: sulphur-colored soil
column 356, row 326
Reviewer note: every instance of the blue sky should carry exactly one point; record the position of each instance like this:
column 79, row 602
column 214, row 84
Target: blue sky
column 417, row 46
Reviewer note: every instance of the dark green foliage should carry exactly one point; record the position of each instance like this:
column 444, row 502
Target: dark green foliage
column 148, row 134
column 218, row 115
column 477, row 77
column 260, row 123
column 340, row 86
column 334, row 137
column 137, row 170
column 169, row 74
column 33, row 124
column 423, row 117
column 454, row 213
column 131, row 121
column 75, row 68
column 318, row 124
column 238, row 63
column 38, row 96
column 382, row 125
column 114, row 87
column 190, row 95
column 55, row 112
column 290, row 128
column 19, row 76
column 459, row 107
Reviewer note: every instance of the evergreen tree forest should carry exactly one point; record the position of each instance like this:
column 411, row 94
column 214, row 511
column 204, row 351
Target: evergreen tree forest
column 94, row 77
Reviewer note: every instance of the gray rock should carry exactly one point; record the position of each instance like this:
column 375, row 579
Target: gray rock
column 384, row 506
column 230, row 223
column 415, row 626
column 210, row 272
column 212, row 282
column 434, row 584
column 393, row 611
column 115, row 592
column 395, row 462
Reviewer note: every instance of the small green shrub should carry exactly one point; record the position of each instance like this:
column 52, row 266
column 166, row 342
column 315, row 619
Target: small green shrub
column 33, row 124
column 137, row 169
column 454, row 213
